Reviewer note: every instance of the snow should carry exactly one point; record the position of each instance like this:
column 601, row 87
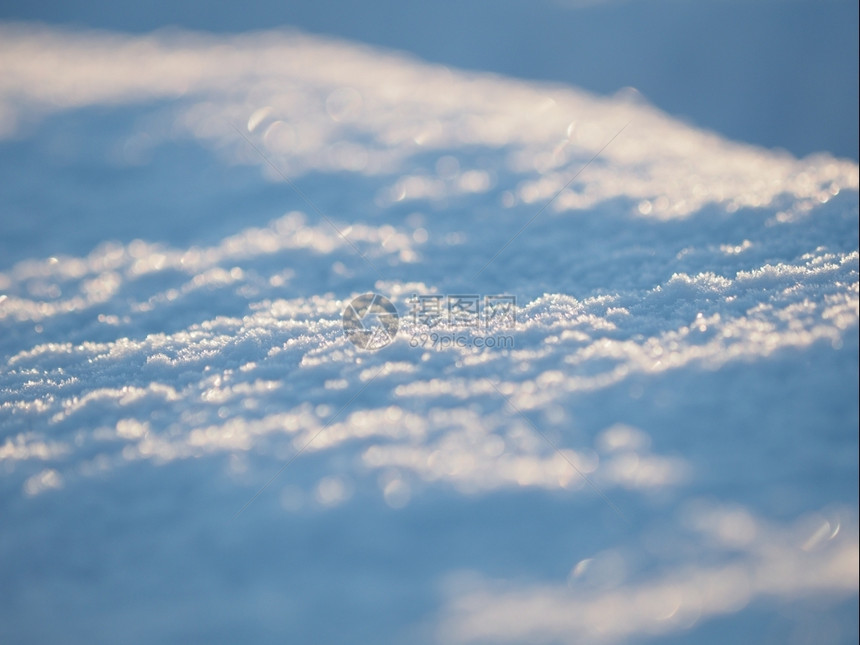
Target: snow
column 192, row 449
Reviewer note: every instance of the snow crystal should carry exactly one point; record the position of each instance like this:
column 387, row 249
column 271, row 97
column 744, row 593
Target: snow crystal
column 669, row 437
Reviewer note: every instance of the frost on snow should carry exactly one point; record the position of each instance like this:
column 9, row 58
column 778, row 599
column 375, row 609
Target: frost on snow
column 669, row 444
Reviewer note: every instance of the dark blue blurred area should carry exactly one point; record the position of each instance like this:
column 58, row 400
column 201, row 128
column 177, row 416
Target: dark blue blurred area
column 777, row 73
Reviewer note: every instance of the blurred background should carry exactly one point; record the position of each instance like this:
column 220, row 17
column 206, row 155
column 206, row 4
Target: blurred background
column 776, row 73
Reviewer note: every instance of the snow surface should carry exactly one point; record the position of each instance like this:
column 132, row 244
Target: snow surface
column 193, row 451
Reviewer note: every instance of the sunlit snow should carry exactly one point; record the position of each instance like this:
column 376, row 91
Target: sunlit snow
column 670, row 442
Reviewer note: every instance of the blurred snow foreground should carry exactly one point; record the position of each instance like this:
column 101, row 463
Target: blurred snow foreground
column 666, row 451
